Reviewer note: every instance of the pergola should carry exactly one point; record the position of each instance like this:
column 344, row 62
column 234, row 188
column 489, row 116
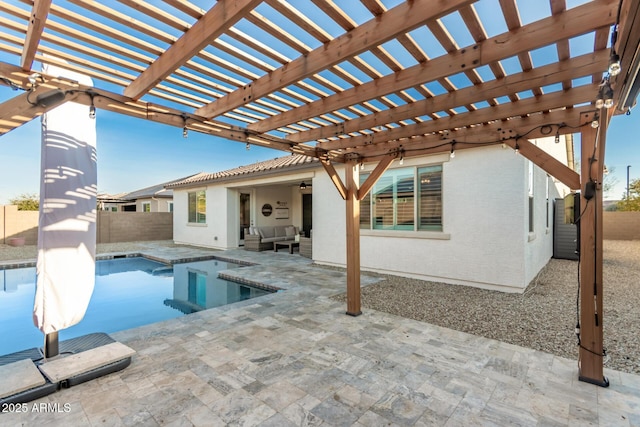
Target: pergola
column 349, row 83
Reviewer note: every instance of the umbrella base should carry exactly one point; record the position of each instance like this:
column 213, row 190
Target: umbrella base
column 72, row 346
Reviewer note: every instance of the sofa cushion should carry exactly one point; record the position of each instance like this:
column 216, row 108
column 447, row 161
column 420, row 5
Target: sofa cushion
column 280, row 231
column 290, row 231
column 273, row 239
column 266, row 232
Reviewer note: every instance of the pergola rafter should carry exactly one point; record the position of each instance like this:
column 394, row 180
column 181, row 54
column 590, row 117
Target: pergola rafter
column 572, row 23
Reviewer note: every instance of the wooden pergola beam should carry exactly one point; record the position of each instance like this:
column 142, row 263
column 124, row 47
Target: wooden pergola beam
column 120, row 104
column 210, row 26
column 540, row 125
column 21, row 109
column 542, row 76
column 335, row 178
column 380, row 169
column 551, row 101
column 401, row 19
column 505, row 132
column 35, row 27
column 572, row 23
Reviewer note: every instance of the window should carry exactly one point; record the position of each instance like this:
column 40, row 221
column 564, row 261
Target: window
column 530, row 196
column 365, row 206
column 430, row 198
column 114, row 209
column 547, row 196
column 146, row 207
column 170, row 207
column 197, row 207
column 394, row 203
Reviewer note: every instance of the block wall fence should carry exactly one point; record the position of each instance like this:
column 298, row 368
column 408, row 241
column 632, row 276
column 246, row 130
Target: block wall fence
column 112, row 227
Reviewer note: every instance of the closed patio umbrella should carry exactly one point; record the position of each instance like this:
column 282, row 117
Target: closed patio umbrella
column 67, row 224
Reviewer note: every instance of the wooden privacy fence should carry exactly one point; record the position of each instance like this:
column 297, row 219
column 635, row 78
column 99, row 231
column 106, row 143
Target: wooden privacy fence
column 112, row 227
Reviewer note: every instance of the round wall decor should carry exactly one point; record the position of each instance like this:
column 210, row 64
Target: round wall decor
column 267, row 209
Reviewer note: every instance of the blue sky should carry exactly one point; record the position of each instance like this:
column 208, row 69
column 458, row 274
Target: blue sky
column 133, row 154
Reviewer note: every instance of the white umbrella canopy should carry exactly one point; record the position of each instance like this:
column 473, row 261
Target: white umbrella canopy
column 67, row 225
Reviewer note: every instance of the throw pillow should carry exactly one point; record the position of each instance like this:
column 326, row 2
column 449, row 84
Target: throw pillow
column 291, row 231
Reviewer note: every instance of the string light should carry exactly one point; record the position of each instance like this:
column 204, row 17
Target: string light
column 185, row 131
column 605, row 95
column 248, row 147
column 600, row 99
column 614, row 64
column 614, row 58
column 608, row 96
column 517, row 148
column 453, row 152
column 595, row 124
column 92, row 108
column 558, row 136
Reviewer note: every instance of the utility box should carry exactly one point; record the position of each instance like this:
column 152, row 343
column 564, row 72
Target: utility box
column 565, row 235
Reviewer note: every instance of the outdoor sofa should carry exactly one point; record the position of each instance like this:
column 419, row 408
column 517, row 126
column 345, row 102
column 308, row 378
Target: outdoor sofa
column 262, row 238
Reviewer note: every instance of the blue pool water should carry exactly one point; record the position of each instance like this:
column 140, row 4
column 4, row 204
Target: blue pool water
column 129, row 292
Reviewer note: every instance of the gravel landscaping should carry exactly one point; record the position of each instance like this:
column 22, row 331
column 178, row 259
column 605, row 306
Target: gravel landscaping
column 542, row 318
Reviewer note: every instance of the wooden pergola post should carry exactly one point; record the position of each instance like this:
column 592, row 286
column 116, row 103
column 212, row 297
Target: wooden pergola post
column 353, row 240
column 352, row 194
column 590, row 358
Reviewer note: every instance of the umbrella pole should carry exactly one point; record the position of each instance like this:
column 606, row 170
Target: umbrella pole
column 51, row 345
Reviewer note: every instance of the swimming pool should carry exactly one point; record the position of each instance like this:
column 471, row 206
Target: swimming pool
column 129, row 292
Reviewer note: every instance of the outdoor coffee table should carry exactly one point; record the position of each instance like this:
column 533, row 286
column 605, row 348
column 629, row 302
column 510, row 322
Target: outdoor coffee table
column 286, row 243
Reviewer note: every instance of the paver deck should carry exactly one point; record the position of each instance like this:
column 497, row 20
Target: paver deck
column 294, row 358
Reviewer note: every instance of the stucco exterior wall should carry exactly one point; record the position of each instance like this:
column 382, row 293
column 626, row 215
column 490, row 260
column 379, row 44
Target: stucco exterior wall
column 539, row 243
column 213, row 233
column 156, row 204
column 485, row 227
column 485, row 240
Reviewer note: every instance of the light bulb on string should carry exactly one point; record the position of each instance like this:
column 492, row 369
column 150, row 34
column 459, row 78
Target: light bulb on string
column 607, row 95
column 92, row 107
column 185, row 131
column 614, row 64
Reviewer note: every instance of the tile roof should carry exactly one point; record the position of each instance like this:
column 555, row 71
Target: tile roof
column 278, row 164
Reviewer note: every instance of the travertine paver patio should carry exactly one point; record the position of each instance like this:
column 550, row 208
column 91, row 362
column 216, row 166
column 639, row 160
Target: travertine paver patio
column 294, row 358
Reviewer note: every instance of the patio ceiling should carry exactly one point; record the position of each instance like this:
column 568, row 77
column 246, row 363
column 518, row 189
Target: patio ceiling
column 316, row 78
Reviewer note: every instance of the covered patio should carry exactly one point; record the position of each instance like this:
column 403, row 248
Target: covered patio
column 354, row 87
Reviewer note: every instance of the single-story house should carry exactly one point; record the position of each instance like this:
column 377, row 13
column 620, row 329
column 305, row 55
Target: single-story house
column 155, row 198
column 480, row 217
